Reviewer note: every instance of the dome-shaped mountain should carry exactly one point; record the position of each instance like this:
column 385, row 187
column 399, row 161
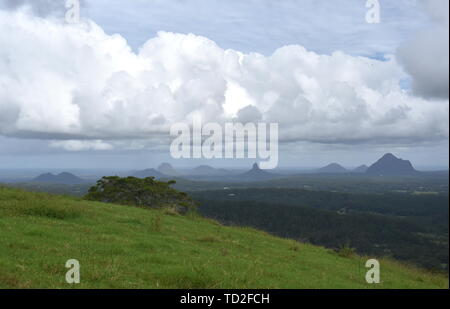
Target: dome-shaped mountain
column 206, row 170
column 361, row 169
column 150, row 172
column 333, row 168
column 391, row 165
column 168, row 170
column 203, row 170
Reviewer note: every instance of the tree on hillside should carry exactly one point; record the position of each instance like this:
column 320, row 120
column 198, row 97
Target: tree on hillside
column 146, row 192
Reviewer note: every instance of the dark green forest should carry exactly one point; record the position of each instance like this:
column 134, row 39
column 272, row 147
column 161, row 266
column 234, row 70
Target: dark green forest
column 411, row 228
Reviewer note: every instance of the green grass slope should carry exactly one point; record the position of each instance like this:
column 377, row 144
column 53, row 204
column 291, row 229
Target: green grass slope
column 128, row 247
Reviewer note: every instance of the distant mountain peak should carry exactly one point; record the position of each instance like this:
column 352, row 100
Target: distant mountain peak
column 334, row 164
column 361, row 169
column 333, row 168
column 255, row 174
column 204, row 168
column 64, row 174
column 165, row 165
column 389, row 156
column 389, row 164
column 167, row 169
column 207, row 171
column 149, row 172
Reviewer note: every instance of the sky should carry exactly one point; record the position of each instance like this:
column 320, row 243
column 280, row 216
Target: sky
column 105, row 91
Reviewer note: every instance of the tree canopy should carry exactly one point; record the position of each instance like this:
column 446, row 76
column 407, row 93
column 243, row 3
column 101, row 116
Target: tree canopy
column 146, row 192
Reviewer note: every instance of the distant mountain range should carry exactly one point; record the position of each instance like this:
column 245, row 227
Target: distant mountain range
column 167, row 170
column 62, row 178
column 387, row 165
column 205, row 172
column 390, row 165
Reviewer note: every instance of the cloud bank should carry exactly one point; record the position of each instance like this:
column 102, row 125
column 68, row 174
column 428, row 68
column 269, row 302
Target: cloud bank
column 426, row 56
column 84, row 89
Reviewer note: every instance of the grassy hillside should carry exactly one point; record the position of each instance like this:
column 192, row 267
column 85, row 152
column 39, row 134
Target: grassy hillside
column 129, row 247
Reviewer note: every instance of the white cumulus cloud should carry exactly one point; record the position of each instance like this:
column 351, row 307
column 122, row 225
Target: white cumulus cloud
column 74, row 84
